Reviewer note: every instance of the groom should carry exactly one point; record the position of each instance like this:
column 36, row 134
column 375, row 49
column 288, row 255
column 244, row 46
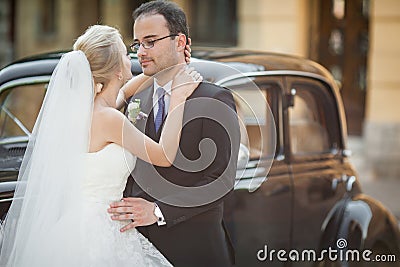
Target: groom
column 180, row 208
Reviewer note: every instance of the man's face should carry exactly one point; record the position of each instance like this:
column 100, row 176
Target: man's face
column 164, row 53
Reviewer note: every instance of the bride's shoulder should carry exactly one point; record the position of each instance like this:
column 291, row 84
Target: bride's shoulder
column 108, row 116
column 107, row 124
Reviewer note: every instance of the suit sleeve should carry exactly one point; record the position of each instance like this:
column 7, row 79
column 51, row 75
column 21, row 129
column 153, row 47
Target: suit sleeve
column 222, row 171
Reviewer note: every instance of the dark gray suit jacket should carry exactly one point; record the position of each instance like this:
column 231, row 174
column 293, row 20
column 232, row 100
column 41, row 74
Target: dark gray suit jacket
column 193, row 236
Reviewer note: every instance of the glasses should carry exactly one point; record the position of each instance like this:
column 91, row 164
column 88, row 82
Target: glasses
column 148, row 44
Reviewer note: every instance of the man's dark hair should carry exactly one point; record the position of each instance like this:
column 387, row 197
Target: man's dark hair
column 173, row 14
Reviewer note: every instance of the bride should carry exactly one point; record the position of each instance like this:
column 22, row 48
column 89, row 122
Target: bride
column 79, row 156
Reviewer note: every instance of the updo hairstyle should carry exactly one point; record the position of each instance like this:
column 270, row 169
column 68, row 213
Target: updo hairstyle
column 100, row 45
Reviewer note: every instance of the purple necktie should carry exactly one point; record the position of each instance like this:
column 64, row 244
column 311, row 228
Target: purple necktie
column 161, row 108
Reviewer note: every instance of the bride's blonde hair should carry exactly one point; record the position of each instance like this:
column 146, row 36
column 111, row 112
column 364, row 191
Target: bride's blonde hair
column 100, row 45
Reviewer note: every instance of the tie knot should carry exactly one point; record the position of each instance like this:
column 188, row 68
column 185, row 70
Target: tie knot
column 160, row 92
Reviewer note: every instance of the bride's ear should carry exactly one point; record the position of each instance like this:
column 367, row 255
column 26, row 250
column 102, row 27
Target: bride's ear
column 119, row 75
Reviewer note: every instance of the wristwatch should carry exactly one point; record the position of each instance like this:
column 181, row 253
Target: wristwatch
column 159, row 215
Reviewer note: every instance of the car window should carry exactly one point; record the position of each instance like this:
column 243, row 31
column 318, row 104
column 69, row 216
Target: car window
column 254, row 105
column 20, row 106
column 310, row 118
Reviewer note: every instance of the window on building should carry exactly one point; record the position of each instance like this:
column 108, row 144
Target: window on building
column 213, row 22
column 47, row 20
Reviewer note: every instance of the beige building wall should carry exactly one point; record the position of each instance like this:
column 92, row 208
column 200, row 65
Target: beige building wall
column 267, row 25
column 270, row 25
column 384, row 62
column 382, row 122
column 72, row 18
column 6, row 44
column 115, row 14
column 29, row 39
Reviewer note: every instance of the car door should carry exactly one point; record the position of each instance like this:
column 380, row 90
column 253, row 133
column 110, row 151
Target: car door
column 259, row 211
column 316, row 163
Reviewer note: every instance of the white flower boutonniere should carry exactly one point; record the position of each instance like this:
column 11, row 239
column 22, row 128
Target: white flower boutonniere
column 134, row 113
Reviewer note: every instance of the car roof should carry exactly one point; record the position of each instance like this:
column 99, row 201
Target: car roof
column 39, row 65
column 249, row 61
column 244, row 61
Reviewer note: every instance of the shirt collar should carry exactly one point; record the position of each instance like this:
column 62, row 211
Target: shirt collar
column 167, row 88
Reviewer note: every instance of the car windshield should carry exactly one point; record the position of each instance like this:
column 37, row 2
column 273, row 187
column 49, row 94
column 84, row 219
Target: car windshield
column 20, row 105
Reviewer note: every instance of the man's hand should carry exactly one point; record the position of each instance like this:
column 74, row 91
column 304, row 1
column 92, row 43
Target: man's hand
column 140, row 211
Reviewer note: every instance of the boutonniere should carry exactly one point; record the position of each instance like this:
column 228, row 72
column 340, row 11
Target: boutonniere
column 134, row 112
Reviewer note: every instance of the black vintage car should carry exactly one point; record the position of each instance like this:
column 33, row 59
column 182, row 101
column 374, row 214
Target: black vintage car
column 297, row 200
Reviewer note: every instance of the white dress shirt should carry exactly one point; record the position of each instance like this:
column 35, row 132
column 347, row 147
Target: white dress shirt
column 167, row 97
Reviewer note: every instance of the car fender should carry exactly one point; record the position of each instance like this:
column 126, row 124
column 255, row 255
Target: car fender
column 360, row 222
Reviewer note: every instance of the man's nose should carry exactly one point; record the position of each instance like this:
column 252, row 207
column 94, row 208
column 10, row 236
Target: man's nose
column 141, row 51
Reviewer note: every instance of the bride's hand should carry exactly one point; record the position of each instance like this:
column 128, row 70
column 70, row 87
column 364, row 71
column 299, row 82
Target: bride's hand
column 185, row 82
column 188, row 51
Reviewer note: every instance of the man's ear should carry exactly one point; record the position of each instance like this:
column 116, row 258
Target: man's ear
column 181, row 42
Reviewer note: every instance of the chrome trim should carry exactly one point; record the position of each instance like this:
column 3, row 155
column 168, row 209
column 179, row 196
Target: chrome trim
column 250, row 184
column 8, row 199
column 17, row 121
column 13, row 140
column 335, row 183
column 272, row 73
column 350, row 181
column 25, row 81
column 347, row 152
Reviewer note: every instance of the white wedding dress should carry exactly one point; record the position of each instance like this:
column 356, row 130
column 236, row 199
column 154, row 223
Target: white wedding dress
column 59, row 216
column 108, row 170
column 99, row 242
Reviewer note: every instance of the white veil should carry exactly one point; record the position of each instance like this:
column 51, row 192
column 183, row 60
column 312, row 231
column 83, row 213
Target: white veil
column 49, row 181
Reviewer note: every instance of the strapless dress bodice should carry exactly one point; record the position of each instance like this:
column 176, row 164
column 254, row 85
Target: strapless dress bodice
column 97, row 240
column 107, row 171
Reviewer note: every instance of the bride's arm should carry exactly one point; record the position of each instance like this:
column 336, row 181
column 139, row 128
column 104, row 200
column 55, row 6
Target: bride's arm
column 124, row 133
column 133, row 86
column 164, row 152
